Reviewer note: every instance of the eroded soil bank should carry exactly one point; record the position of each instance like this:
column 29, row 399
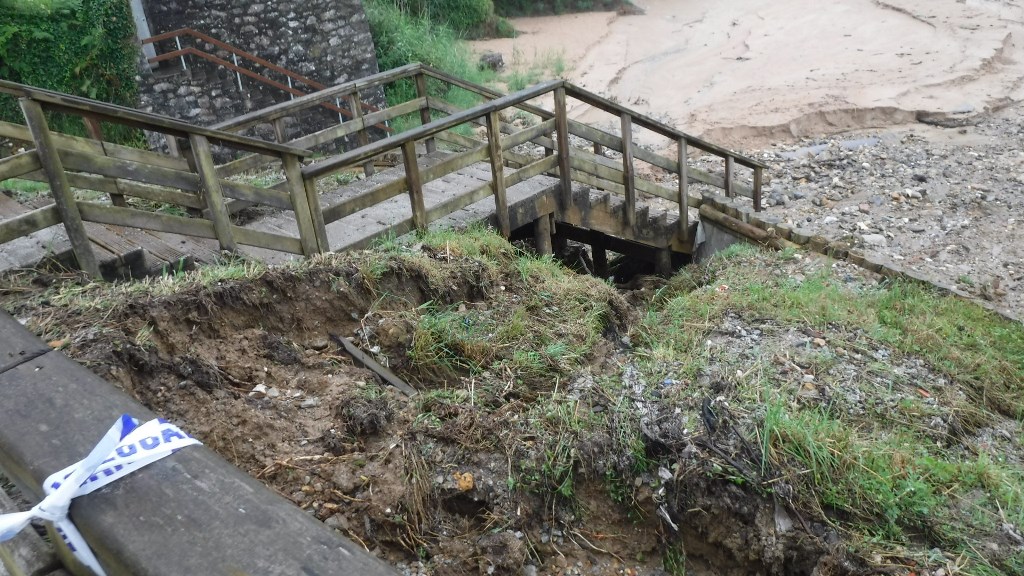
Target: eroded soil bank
column 746, row 417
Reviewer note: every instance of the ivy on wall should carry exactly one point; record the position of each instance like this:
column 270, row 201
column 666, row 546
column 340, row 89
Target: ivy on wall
column 83, row 47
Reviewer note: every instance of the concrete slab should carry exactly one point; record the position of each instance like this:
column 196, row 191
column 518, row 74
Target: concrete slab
column 190, row 513
column 17, row 344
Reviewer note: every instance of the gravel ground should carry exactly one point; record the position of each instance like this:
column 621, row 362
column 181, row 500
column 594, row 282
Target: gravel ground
column 947, row 202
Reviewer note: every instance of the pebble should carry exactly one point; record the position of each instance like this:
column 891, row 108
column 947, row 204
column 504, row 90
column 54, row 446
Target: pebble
column 259, row 391
column 874, row 239
column 273, row 393
column 310, row 403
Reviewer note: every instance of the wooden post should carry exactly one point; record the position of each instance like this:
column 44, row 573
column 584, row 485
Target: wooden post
column 279, row 132
column 210, row 188
column 684, row 191
column 728, row 176
column 758, row 175
column 316, row 212
column 542, row 235
column 628, row 174
column 598, row 149
column 564, row 163
column 412, row 180
column 356, row 104
column 303, row 216
column 663, row 262
column 92, row 126
column 421, row 91
column 498, row 173
column 63, row 196
column 599, row 253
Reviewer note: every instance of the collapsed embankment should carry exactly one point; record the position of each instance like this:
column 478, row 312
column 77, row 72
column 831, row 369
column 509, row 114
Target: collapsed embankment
column 761, row 414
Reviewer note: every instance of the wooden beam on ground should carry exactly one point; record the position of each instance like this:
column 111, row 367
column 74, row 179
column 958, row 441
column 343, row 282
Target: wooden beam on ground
column 741, row 228
column 371, row 364
column 63, row 196
column 498, row 173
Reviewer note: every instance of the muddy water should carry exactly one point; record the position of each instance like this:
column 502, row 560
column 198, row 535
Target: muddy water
column 752, row 71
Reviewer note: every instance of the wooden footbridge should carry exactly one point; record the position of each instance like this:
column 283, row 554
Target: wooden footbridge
column 506, row 159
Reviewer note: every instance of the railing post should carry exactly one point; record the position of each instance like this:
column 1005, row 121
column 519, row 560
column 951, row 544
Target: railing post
column 758, row 175
column 564, row 161
column 300, row 205
column 498, row 173
column 63, row 196
column 279, row 131
column 542, row 235
column 211, row 191
column 92, row 126
column 412, row 180
column 628, row 173
column 728, row 176
column 421, row 91
column 684, row 191
column 356, row 104
column 316, row 211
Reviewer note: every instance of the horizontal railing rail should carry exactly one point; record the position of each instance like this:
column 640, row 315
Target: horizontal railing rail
column 194, row 183
column 190, row 182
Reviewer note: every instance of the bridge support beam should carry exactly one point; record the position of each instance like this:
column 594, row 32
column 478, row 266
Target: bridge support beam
column 542, row 235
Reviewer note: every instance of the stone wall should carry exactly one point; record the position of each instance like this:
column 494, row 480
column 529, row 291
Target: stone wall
column 327, row 41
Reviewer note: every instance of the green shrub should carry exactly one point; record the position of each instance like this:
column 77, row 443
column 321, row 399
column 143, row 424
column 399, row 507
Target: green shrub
column 83, row 47
column 402, row 37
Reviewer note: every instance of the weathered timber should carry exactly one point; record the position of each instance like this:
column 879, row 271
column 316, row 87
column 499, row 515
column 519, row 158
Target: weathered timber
column 95, row 131
column 728, row 176
column 628, row 174
column 529, row 134
column 61, row 191
column 211, row 191
column 498, row 173
column 684, row 185
column 103, row 214
column 355, row 104
column 743, row 229
column 266, row 240
column 255, row 194
column 564, row 161
column 19, row 165
column 311, row 243
column 357, row 156
column 414, row 184
column 373, row 196
column 421, row 91
column 113, row 113
column 367, row 361
column 758, row 175
column 542, row 235
column 527, row 171
column 314, row 99
column 117, row 168
column 29, row 222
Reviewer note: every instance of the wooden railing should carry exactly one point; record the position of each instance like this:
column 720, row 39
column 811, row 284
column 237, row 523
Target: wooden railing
column 190, row 182
column 291, row 78
column 194, row 183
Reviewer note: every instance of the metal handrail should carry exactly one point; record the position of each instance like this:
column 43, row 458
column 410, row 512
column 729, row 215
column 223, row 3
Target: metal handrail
column 239, row 70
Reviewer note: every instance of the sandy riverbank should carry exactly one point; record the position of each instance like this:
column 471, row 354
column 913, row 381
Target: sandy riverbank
column 750, row 72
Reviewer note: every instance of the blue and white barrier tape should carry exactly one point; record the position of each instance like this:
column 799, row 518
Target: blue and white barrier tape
column 126, row 447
